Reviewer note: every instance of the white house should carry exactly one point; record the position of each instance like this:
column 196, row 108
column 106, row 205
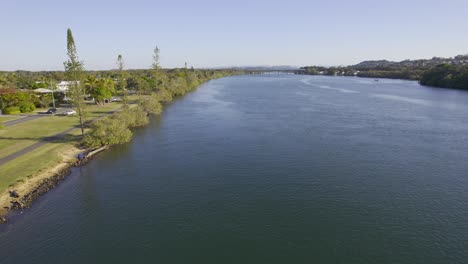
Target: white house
column 63, row 86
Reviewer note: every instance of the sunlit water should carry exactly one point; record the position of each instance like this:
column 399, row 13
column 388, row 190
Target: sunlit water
column 269, row 169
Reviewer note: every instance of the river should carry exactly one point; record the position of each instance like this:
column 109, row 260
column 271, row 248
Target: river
column 269, row 169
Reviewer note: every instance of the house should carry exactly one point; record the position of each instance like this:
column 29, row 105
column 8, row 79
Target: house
column 63, row 86
column 42, row 90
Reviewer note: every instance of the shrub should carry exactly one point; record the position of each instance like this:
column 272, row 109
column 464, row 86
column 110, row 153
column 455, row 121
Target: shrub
column 151, row 104
column 135, row 117
column 107, row 131
column 11, row 110
column 27, row 107
column 164, row 96
column 140, row 117
column 17, row 100
column 115, row 129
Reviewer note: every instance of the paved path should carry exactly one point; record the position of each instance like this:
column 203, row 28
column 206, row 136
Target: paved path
column 35, row 146
column 23, row 119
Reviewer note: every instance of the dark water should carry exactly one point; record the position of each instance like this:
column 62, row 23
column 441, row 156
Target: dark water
column 284, row 169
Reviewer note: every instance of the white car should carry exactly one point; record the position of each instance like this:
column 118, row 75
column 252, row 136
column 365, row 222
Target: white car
column 115, row 99
column 69, row 112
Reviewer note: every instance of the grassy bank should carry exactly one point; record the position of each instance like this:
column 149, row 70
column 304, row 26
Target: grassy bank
column 112, row 124
column 5, row 118
column 18, row 137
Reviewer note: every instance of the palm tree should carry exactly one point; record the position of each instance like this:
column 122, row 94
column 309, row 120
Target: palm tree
column 91, row 84
column 100, row 89
column 108, row 84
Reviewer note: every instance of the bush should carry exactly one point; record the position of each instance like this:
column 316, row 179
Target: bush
column 164, row 96
column 11, row 110
column 151, row 104
column 26, row 107
column 107, row 131
column 22, row 100
column 135, row 117
column 115, row 129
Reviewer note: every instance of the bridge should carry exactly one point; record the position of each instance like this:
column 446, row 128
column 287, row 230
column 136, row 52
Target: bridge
column 274, row 72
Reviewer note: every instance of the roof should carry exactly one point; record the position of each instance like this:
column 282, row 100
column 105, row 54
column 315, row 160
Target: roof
column 7, row 91
column 43, row 90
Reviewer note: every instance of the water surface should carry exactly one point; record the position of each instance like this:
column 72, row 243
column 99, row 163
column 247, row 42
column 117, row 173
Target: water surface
column 269, row 169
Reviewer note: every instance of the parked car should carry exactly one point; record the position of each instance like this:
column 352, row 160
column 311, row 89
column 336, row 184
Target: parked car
column 69, row 112
column 115, row 99
column 51, row 111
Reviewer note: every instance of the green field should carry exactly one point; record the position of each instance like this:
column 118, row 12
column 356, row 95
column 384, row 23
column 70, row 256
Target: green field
column 17, row 137
column 4, row 118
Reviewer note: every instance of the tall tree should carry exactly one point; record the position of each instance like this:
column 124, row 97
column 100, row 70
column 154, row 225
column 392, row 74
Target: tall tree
column 156, row 65
column 122, row 83
column 74, row 70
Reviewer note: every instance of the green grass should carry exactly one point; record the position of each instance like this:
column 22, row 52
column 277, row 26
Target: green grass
column 5, row 118
column 17, row 137
column 32, row 163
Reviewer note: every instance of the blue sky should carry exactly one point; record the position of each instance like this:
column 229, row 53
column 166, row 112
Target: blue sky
column 208, row 33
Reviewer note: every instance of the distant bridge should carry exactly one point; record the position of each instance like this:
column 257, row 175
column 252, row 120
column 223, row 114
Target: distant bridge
column 276, row 72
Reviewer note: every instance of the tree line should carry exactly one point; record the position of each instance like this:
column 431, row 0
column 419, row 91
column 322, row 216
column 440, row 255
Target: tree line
column 446, row 75
column 154, row 87
column 442, row 75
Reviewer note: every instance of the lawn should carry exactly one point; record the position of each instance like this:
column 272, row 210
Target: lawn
column 32, row 163
column 17, row 137
column 4, row 118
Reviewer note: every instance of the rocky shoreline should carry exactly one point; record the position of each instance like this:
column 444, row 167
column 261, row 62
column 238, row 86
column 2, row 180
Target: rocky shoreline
column 20, row 201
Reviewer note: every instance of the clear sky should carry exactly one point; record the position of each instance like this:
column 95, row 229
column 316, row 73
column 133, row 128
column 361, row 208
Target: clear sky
column 208, row 33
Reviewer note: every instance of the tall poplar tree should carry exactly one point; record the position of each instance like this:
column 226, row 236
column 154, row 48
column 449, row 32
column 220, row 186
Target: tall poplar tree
column 74, row 71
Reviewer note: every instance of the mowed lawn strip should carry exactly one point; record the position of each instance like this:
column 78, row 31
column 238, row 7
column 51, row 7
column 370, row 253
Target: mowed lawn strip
column 4, row 118
column 20, row 136
column 33, row 163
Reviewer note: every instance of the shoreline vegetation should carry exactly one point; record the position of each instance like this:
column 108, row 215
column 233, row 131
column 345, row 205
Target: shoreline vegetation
column 436, row 72
column 102, row 108
column 98, row 122
column 115, row 128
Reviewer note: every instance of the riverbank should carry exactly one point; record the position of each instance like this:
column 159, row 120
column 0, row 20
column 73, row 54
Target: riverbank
column 36, row 155
column 23, row 195
column 24, row 190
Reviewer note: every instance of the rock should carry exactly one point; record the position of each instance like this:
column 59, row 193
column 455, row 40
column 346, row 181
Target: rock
column 2, row 220
column 15, row 205
column 14, row 194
